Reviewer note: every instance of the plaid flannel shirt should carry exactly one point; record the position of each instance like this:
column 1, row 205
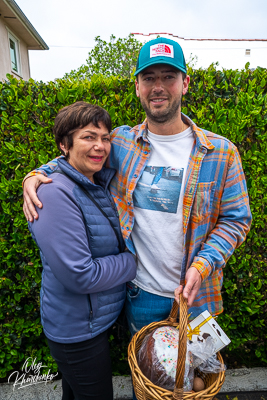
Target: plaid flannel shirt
column 216, row 213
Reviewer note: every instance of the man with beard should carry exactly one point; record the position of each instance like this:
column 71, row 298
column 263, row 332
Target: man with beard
column 180, row 192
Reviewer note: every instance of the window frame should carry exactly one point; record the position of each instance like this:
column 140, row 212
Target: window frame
column 15, row 40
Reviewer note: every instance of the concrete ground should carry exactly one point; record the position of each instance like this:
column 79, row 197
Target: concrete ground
column 242, row 396
column 240, row 384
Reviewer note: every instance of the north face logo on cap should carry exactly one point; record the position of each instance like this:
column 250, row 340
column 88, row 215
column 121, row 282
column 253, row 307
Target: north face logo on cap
column 161, row 49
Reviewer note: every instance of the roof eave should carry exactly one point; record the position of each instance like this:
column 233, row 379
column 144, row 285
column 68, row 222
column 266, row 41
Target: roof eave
column 27, row 25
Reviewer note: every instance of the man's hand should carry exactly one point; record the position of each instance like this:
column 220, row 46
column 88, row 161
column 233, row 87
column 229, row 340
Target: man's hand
column 193, row 282
column 29, row 194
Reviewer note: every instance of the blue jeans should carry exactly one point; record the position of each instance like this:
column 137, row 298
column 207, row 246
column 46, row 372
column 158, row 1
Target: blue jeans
column 142, row 308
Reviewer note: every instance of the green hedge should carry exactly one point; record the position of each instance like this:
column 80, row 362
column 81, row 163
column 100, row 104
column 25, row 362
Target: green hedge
column 228, row 102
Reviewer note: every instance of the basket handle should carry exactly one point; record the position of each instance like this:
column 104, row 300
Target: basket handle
column 182, row 346
column 174, row 312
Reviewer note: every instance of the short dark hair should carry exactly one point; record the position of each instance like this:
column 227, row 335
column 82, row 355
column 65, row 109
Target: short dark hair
column 77, row 116
column 183, row 75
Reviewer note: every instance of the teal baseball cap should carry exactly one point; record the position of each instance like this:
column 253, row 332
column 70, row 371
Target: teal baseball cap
column 160, row 51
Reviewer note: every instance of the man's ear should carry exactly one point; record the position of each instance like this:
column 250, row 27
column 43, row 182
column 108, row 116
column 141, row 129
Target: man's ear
column 186, row 84
column 137, row 88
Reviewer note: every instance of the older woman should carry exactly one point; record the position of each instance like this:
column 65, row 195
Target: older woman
column 82, row 250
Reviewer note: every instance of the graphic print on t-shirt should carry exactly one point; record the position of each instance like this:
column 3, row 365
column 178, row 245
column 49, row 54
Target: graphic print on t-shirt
column 159, row 189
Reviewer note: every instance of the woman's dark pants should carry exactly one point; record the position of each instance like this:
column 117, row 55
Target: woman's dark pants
column 85, row 368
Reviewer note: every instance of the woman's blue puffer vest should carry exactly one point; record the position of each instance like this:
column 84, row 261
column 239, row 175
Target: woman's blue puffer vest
column 67, row 316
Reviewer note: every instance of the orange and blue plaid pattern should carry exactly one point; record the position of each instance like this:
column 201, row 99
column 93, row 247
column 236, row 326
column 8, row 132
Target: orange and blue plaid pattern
column 216, row 213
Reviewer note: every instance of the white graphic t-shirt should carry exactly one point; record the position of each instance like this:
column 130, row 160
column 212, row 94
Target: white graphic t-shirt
column 158, row 201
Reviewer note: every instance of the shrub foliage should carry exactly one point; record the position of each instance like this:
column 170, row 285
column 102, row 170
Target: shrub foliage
column 230, row 102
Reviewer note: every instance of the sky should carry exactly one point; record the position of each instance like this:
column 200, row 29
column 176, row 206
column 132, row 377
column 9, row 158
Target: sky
column 69, row 28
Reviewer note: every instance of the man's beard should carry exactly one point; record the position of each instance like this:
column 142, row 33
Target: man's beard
column 166, row 115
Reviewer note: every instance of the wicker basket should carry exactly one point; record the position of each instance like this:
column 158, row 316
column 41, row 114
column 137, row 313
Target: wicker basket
column 145, row 389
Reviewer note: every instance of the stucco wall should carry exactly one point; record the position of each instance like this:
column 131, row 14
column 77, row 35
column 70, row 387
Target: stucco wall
column 5, row 62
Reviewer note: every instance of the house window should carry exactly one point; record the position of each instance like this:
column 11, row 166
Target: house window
column 14, row 53
column 247, row 52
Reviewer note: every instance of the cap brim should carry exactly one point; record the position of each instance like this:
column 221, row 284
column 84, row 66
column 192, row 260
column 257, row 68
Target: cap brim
column 160, row 60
